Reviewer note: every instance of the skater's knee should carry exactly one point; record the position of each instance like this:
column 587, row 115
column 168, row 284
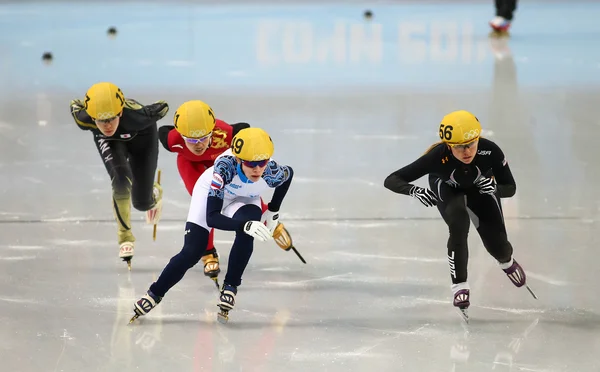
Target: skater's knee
column 121, row 181
column 143, row 205
column 248, row 212
column 459, row 227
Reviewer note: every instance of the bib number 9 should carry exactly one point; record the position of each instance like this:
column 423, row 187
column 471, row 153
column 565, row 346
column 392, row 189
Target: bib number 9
column 238, row 145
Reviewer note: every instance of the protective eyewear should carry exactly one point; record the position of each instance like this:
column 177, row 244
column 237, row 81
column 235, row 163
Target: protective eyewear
column 194, row 141
column 105, row 121
column 254, row 164
column 464, row 147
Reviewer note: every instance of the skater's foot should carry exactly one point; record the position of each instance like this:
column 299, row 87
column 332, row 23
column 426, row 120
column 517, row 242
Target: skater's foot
column 226, row 302
column 126, row 251
column 462, row 297
column 145, row 304
column 211, row 265
column 500, row 24
column 515, row 272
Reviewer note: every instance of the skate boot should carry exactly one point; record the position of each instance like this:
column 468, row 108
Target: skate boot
column 227, row 302
column 153, row 214
column 462, row 295
column 211, row 265
column 144, row 305
column 500, row 26
column 516, row 274
column 126, row 252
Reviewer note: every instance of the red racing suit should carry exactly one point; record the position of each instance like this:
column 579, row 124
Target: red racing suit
column 191, row 166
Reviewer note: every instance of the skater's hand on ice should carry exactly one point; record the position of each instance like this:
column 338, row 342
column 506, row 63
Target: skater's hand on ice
column 271, row 219
column 425, row 196
column 257, row 230
column 486, row 185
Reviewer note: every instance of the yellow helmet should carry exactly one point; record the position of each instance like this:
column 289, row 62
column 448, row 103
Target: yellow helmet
column 104, row 101
column 252, row 144
column 194, row 119
column 459, row 128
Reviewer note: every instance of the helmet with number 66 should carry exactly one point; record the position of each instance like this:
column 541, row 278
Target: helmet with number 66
column 459, row 128
column 252, row 144
column 104, row 101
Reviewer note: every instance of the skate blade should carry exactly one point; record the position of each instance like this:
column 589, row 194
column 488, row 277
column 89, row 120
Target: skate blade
column 499, row 34
column 222, row 318
column 128, row 261
column 133, row 318
column 216, row 280
column 530, row 291
column 464, row 314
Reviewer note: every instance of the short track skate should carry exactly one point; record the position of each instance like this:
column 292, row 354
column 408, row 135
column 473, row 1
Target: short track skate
column 223, row 315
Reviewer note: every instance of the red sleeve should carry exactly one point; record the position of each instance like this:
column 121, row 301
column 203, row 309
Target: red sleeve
column 189, row 172
column 175, row 139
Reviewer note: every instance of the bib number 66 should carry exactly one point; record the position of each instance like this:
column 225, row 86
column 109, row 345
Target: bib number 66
column 446, row 132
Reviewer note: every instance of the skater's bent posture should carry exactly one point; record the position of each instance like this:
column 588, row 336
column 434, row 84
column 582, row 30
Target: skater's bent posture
column 467, row 177
column 125, row 134
column 505, row 10
column 227, row 197
column 199, row 138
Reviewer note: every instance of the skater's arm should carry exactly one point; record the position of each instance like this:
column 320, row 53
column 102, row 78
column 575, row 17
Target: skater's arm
column 400, row 181
column 82, row 119
column 223, row 173
column 165, row 136
column 148, row 115
column 507, row 187
column 214, row 217
column 279, row 177
column 237, row 127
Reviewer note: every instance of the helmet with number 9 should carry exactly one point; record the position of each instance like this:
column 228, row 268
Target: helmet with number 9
column 104, row 101
column 252, row 144
column 194, row 119
column 459, row 128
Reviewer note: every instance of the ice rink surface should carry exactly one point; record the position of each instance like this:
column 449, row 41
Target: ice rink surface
column 347, row 101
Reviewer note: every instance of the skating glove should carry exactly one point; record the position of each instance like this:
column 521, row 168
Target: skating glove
column 257, row 230
column 425, row 196
column 270, row 219
column 486, row 185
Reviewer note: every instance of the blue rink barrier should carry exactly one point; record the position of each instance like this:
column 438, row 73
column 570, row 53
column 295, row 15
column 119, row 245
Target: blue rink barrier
column 183, row 45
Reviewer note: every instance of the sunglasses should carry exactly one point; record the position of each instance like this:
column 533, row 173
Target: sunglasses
column 254, row 164
column 194, row 141
column 106, row 121
column 464, row 147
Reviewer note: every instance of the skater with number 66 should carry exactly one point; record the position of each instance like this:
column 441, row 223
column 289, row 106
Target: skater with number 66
column 468, row 175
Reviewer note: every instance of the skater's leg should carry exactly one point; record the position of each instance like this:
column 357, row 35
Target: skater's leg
column 210, row 259
column 452, row 208
column 506, row 8
column 114, row 157
column 240, row 254
column 243, row 245
column 195, row 240
column 143, row 157
column 487, row 216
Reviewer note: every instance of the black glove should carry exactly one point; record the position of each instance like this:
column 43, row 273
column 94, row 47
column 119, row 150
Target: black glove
column 158, row 109
column 486, row 185
column 425, row 196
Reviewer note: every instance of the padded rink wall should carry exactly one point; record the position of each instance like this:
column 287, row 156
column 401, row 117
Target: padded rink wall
column 305, row 46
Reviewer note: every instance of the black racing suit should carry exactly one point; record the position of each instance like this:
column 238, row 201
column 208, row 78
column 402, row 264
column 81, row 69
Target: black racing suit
column 506, row 8
column 458, row 198
column 130, row 156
